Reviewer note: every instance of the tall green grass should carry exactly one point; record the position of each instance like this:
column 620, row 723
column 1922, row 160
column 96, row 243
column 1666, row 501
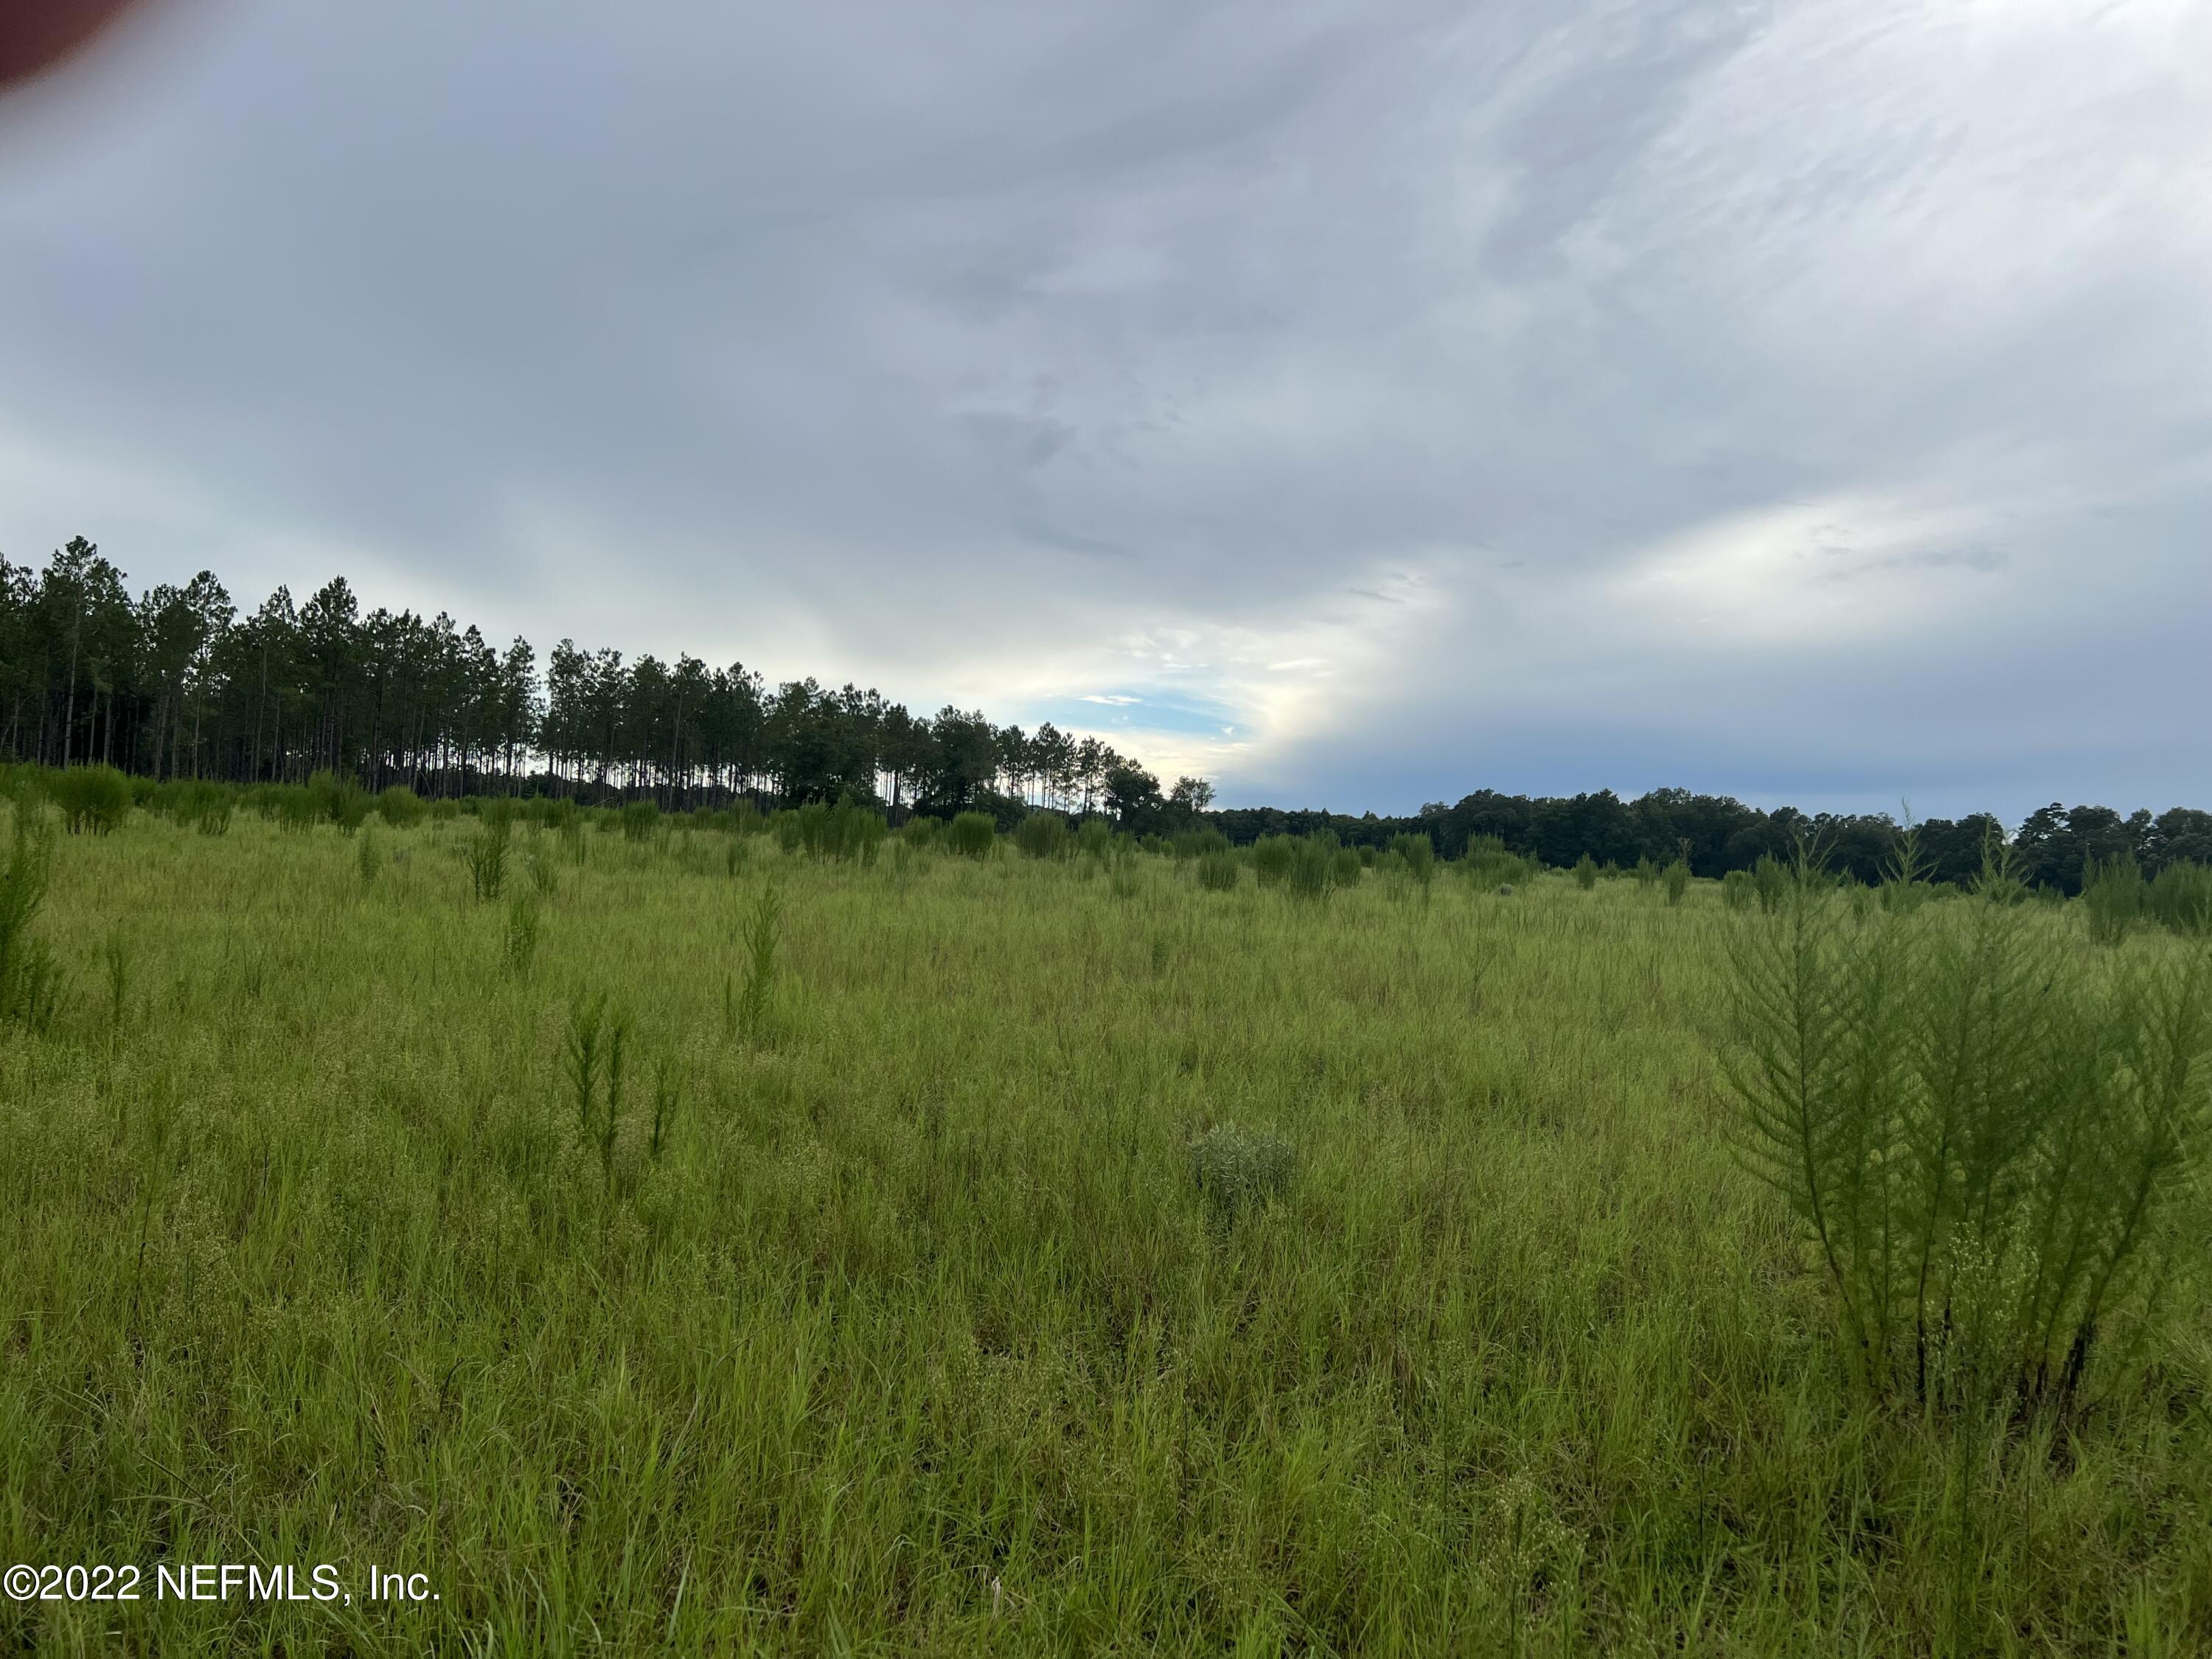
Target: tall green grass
column 1069, row 1260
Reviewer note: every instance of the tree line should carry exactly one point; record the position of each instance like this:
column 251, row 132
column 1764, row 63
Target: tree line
column 2053, row 847
column 178, row 684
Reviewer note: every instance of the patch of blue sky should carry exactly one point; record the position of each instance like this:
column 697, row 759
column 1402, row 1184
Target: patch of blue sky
column 1124, row 708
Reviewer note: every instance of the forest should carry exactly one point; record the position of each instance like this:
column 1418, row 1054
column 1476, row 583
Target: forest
column 176, row 683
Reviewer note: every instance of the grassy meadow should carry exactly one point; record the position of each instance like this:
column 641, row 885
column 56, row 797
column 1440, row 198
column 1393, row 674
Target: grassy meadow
column 972, row 1256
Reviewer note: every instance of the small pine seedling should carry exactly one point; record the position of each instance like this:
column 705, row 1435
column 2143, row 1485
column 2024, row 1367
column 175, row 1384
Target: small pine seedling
column 759, row 994
column 521, row 936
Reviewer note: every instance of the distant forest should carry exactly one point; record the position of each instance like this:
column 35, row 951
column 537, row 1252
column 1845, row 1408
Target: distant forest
column 176, row 684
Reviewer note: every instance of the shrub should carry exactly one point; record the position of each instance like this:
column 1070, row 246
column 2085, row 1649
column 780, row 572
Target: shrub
column 1043, row 836
column 1677, row 881
column 747, row 1014
column 1905, row 886
column 1346, row 863
column 349, row 807
column 852, row 830
column 1238, row 1170
column 1125, row 883
column 1272, row 857
column 2181, row 899
column 596, row 1049
column 808, row 824
column 972, row 834
column 2114, row 895
column 1771, row 880
column 30, row 979
column 197, row 805
column 1419, row 853
column 1586, row 872
column 1190, row 844
column 1216, row 872
column 1313, row 866
column 1488, row 864
column 400, row 807
column 93, row 799
column 1647, row 872
column 341, row 801
column 295, row 806
column 573, row 842
column 485, row 855
column 639, row 818
column 1094, row 838
column 544, row 877
column 921, row 833
column 521, row 936
column 1738, row 891
column 1983, row 1135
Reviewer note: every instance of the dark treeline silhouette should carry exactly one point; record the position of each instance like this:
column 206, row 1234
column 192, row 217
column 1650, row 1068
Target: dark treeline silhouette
column 2054, row 846
column 177, row 683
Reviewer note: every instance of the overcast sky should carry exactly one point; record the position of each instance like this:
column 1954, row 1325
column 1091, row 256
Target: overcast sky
column 1359, row 403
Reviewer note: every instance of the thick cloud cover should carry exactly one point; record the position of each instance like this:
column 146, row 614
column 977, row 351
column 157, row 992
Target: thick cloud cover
column 1358, row 402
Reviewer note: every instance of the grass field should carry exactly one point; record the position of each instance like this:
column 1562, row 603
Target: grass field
column 895, row 1317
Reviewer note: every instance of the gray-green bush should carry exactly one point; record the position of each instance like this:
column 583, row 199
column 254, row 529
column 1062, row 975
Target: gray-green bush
column 1238, row 1170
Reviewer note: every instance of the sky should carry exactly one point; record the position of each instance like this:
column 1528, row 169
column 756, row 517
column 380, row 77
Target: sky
column 1356, row 402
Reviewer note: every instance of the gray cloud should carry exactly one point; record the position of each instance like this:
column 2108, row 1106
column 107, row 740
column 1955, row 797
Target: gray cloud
column 1801, row 397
